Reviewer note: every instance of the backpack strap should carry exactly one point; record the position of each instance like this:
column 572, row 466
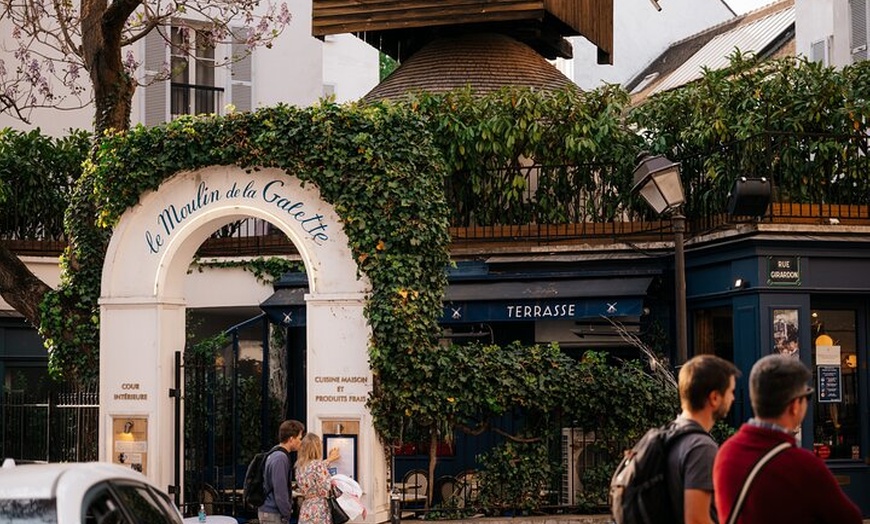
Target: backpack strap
column 677, row 431
column 741, row 497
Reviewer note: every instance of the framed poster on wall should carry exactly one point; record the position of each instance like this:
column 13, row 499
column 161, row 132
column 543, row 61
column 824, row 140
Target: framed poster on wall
column 346, row 445
column 785, row 329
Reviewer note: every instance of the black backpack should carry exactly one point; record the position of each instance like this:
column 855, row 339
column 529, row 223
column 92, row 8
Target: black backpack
column 254, row 490
column 639, row 487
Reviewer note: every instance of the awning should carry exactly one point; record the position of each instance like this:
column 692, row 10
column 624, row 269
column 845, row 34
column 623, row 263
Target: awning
column 286, row 306
column 573, row 299
column 506, row 301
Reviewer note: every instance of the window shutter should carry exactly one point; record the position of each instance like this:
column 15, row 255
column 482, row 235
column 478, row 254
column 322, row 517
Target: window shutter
column 156, row 93
column 241, row 83
column 858, row 38
column 819, row 52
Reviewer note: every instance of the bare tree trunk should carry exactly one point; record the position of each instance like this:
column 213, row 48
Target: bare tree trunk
column 20, row 287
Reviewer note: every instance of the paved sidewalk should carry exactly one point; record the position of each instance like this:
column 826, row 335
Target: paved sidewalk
column 543, row 519
column 547, row 519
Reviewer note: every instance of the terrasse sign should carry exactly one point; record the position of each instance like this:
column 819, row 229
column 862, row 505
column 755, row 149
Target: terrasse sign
column 174, row 215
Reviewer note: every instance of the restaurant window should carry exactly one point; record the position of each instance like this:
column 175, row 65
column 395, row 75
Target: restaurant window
column 836, row 427
column 714, row 332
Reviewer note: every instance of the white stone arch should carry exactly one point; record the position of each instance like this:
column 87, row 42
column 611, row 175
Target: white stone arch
column 142, row 312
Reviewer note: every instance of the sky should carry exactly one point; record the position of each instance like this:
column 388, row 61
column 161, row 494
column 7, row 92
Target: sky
column 742, row 6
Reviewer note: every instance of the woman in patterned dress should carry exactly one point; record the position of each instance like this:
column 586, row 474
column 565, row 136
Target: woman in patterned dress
column 313, row 480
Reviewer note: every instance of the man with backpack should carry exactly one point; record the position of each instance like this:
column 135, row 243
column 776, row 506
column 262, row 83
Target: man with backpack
column 789, row 483
column 278, row 505
column 667, row 477
column 706, row 385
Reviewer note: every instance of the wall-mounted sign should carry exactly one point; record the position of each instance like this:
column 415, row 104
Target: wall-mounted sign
column 346, row 446
column 830, row 384
column 273, row 193
column 533, row 310
column 783, row 271
column 130, row 442
column 340, row 388
column 828, row 355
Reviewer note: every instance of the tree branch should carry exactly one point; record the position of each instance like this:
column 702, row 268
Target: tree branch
column 7, row 102
column 117, row 13
column 19, row 286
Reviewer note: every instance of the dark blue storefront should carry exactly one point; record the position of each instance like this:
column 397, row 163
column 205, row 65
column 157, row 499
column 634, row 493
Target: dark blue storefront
column 570, row 302
column 749, row 294
column 805, row 294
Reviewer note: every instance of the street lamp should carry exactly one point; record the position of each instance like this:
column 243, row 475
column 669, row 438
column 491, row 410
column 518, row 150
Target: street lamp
column 657, row 179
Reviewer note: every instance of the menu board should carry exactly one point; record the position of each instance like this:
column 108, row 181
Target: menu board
column 830, row 384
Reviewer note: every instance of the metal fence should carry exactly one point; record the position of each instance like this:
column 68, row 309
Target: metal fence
column 59, row 426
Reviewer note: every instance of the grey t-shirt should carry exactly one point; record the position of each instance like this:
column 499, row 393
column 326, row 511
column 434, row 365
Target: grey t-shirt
column 690, row 466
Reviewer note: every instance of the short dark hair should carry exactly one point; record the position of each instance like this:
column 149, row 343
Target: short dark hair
column 775, row 381
column 702, row 375
column 289, row 429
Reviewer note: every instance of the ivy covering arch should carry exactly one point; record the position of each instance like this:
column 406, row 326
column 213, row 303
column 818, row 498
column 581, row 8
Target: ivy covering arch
column 375, row 164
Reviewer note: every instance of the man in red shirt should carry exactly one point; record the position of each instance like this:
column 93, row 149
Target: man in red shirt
column 795, row 485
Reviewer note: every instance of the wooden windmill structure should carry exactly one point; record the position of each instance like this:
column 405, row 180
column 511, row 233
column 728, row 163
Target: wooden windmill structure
column 443, row 44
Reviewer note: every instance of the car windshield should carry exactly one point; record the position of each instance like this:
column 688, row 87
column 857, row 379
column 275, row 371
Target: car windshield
column 27, row 511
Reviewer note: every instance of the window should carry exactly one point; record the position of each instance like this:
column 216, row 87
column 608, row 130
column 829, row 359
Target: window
column 714, row 332
column 143, row 504
column 185, row 73
column 28, row 510
column 820, row 51
column 101, row 507
column 836, row 424
column 858, row 36
column 192, row 62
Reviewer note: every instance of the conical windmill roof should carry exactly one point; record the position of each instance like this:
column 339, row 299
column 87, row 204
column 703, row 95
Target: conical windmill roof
column 486, row 62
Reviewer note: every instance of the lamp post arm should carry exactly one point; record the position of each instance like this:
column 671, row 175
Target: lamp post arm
column 678, row 222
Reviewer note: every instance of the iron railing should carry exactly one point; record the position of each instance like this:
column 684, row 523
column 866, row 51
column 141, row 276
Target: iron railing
column 58, row 426
column 193, row 99
column 816, row 178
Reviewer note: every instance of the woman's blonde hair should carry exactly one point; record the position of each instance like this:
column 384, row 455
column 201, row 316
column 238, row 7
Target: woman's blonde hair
column 311, row 449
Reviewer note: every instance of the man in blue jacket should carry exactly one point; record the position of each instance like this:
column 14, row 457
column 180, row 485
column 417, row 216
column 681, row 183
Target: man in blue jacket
column 278, row 505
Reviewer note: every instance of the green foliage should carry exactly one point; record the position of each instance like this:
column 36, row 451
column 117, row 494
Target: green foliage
column 752, row 96
column 37, row 174
column 265, row 270
column 515, row 476
column 476, row 384
column 787, row 119
column 374, row 164
column 386, row 66
column 583, row 150
column 722, row 431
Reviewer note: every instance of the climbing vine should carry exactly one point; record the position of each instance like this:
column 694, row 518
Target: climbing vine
column 376, row 165
column 265, row 270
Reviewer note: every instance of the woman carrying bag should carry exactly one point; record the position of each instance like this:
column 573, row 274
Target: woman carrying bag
column 313, row 480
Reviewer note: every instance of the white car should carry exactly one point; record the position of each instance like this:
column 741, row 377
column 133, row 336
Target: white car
column 81, row 493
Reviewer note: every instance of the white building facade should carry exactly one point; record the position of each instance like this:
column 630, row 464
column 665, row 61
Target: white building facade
column 834, row 32
column 640, row 34
column 298, row 69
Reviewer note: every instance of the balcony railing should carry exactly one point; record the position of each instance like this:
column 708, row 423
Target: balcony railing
column 191, row 99
column 816, row 179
